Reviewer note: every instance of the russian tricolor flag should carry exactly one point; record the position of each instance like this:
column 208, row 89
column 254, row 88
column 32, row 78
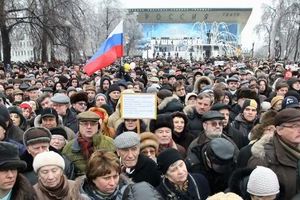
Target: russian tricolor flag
column 110, row 50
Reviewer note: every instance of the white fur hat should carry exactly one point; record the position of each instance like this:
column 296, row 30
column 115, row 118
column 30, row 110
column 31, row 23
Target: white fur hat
column 48, row 158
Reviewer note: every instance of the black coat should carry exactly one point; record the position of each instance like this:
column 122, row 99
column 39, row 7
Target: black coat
column 70, row 121
column 194, row 125
column 169, row 105
column 184, row 139
column 198, row 188
column 14, row 133
column 145, row 170
column 23, row 189
column 244, row 155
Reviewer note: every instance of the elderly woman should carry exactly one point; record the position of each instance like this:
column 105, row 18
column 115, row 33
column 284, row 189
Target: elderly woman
column 177, row 182
column 52, row 183
column 149, row 145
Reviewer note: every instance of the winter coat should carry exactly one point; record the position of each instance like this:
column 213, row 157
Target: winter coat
column 72, row 151
column 70, row 133
column 14, row 133
column 43, row 196
column 169, row 105
column 194, row 125
column 141, row 190
column 184, row 138
column 145, row 170
column 235, row 110
column 83, row 190
column 23, row 189
column 70, row 121
column 198, row 188
column 272, row 154
column 202, row 79
column 239, row 130
column 32, row 176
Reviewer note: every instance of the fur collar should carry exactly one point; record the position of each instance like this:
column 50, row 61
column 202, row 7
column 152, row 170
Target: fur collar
column 258, row 148
column 201, row 79
column 166, row 101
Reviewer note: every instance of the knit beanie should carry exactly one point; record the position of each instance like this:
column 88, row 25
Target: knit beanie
column 4, row 113
column 275, row 100
column 59, row 131
column 148, row 139
column 263, row 182
column 102, row 95
column 166, row 158
column 36, row 135
column 249, row 102
column 113, row 87
column 48, row 158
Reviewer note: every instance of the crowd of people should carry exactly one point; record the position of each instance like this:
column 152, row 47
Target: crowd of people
column 229, row 131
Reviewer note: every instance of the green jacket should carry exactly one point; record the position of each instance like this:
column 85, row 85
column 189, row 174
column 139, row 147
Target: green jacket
column 73, row 151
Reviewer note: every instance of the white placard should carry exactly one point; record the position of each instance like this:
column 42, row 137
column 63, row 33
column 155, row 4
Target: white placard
column 138, row 106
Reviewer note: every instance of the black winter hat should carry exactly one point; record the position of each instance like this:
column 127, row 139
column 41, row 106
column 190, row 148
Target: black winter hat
column 80, row 96
column 4, row 113
column 163, row 120
column 113, row 87
column 9, row 158
column 18, row 111
column 3, row 124
column 164, row 93
column 220, row 106
column 59, row 131
column 166, row 158
column 36, row 135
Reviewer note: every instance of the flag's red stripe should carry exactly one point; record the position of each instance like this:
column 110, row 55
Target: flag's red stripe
column 104, row 60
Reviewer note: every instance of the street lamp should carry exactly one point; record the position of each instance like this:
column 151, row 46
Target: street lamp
column 68, row 25
column 277, row 48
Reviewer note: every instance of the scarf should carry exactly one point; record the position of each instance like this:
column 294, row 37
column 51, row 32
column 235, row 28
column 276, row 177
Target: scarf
column 182, row 188
column 86, row 147
column 166, row 146
column 292, row 150
column 57, row 193
column 93, row 192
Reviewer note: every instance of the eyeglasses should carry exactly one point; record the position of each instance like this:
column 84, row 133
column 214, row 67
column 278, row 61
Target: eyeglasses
column 295, row 126
column 216, row 123
column 87, row 123
column 147, row 152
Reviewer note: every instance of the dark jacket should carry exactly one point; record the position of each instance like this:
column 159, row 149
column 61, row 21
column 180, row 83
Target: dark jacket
column 184, row 138
column 198, row 188
column 169, row 105
column 194, row 123
column 272, row 154
column 121, row 128
column 239, row 130
column 70, row 120
column 145, row 170
column 141, row 190
column 23, row 189
column 14, row 133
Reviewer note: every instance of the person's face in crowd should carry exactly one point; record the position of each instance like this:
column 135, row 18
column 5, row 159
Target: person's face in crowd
column 58, row 142
column 39, row 85
column 178, row 123
column 100, row 101
column 271, row 197
column 9, row 91
column 50, row 83
column 61, row 109
column 15, row 118
column 177, row 172
column 51, row 73
column 213, row 128
column 250, row 113
column 7, row 180
column 130, row 124
column 88, row 129
column 2, row 133
column 136, row 88
column 74, row 83
column 49, row 122
column 80, row 106
column 16, row 86
column 278, row 105
column 26, row 113
column 58, row 86
column 46, row 103
column 203, row 105
column 296, row 86
column 149, row 152
column 192, row 101
column 50, row 175
column 164, row 135
column 233, row 85
column 172, row 80
column 129, row 156
column 282, row 91
column 226, row 100
column 35, row 149
column 33, row 95
column 180, row 91
column 18, row 97
column 190, row 80
column 225, row 113
column 262, row 86
column 115, row 95
column 243, row 77
column 91, row 94
column 290, row 132
column 108, row 183
column 105, row 85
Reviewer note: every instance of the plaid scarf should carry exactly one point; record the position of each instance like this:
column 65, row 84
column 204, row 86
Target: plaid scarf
column 86, row 146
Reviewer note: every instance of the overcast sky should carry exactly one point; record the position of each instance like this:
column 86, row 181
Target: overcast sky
column 248, row 35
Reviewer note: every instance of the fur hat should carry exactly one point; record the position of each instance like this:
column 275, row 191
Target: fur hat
column 149, row 139
column 164, row 93
column 246, row 93
column 163, row 120
column 10, row 157
column 166, row 158
column 48, row 158
column 266, row 119
column 79, row 96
